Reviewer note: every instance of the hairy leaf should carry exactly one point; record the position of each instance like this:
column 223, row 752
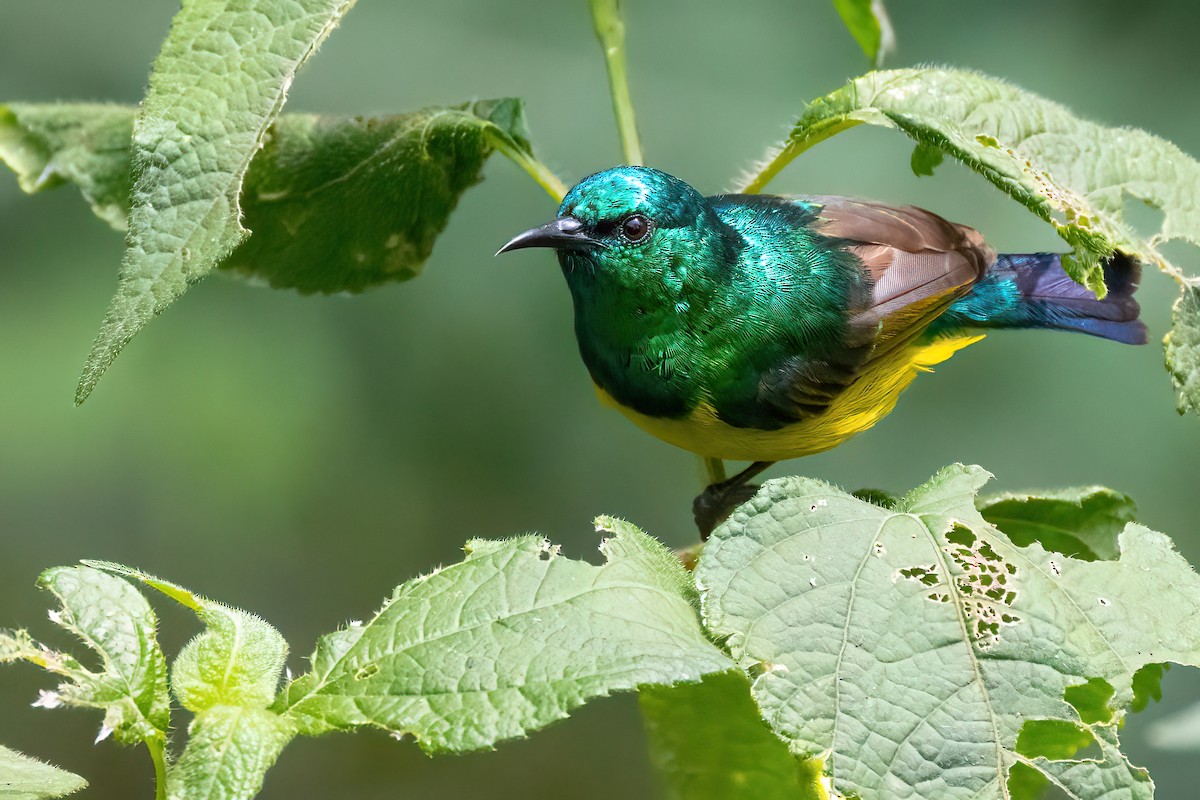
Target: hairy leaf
column 84, row 144
column 218, row 83
column 334, row 204
column 1073, row 173
column 868, row 23
column 25, row 778
column 707, row 740
column 510, row 639
column 1082, row 523
column 115, row 621
column 236, row 662
column 1183, row 347
column 345, row 204
column 229, row 750
column 914, row 644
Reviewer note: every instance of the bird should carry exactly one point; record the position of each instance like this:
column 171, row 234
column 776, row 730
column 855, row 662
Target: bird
column 760, row 328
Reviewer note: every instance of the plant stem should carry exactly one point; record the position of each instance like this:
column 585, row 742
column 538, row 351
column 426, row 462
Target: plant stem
column 158, row 756
column 540, row 173
column 795, row 147
column 610, row 31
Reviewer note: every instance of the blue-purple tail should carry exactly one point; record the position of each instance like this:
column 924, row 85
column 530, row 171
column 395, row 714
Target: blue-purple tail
column 1033, row 291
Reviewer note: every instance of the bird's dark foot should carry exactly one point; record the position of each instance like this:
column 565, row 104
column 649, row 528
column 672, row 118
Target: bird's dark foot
column 714, row 505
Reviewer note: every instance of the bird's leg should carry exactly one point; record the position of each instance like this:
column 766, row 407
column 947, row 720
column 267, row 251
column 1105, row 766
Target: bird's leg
column 714, row 504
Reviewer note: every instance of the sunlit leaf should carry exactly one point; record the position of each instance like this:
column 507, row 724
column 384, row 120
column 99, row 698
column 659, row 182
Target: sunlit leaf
column 507, row 641
column 914, row 645
column 221, row 78
column 1073, row 173
column 25, row 778
column 115, row 621
column 237, row 661
column 333, row 204
column 229, row 750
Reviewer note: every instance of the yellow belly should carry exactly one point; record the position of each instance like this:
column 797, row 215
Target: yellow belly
column 865, row 402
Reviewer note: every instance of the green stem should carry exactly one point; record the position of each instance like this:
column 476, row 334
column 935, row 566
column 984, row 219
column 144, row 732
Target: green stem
column 610, row 30
column 158, row 756
column 795, row 147
column 540, row 173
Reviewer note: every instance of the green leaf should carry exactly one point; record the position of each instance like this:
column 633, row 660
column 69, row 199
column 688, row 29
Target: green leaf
column 83, row 144
column 868, row 23
column 229, row 750
column 912, row 645
column 228, row 676
column 236, row 662
column 1183, row 347
column 345, row 204
column 115, row 621
column 509, row 640
column 707, row 740
column 1083, row 523
column 335, row 204
column 1072, row 173
column 25, row 778
column 219, row 81
column 925, row 159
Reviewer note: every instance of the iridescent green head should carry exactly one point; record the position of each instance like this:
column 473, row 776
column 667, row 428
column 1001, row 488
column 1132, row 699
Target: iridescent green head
column 633, row 227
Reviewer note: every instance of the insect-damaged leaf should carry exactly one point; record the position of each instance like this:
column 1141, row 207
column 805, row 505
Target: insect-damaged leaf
column 913, row 644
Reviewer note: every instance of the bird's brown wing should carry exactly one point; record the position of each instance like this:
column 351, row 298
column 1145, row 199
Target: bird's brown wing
column 916, row 264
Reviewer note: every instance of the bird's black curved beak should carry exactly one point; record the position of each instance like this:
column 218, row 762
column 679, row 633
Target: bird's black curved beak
column 565, row 233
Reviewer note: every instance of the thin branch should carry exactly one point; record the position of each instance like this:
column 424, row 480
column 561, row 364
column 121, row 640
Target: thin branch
column 610, row 31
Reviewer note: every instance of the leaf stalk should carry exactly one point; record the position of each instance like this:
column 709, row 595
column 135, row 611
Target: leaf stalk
column 158, row 756
column 794, row 147
column 541, row 174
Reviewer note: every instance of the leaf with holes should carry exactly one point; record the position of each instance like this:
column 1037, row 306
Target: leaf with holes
column 1072, row 173
column 25, row 778
column 115, row 621
column 509, row 640
column 929, row 656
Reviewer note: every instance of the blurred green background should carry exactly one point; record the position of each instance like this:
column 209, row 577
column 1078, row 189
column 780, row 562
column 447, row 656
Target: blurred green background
column 298, row 457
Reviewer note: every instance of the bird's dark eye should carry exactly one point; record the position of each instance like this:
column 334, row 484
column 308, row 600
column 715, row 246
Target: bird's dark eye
column 635, row 227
